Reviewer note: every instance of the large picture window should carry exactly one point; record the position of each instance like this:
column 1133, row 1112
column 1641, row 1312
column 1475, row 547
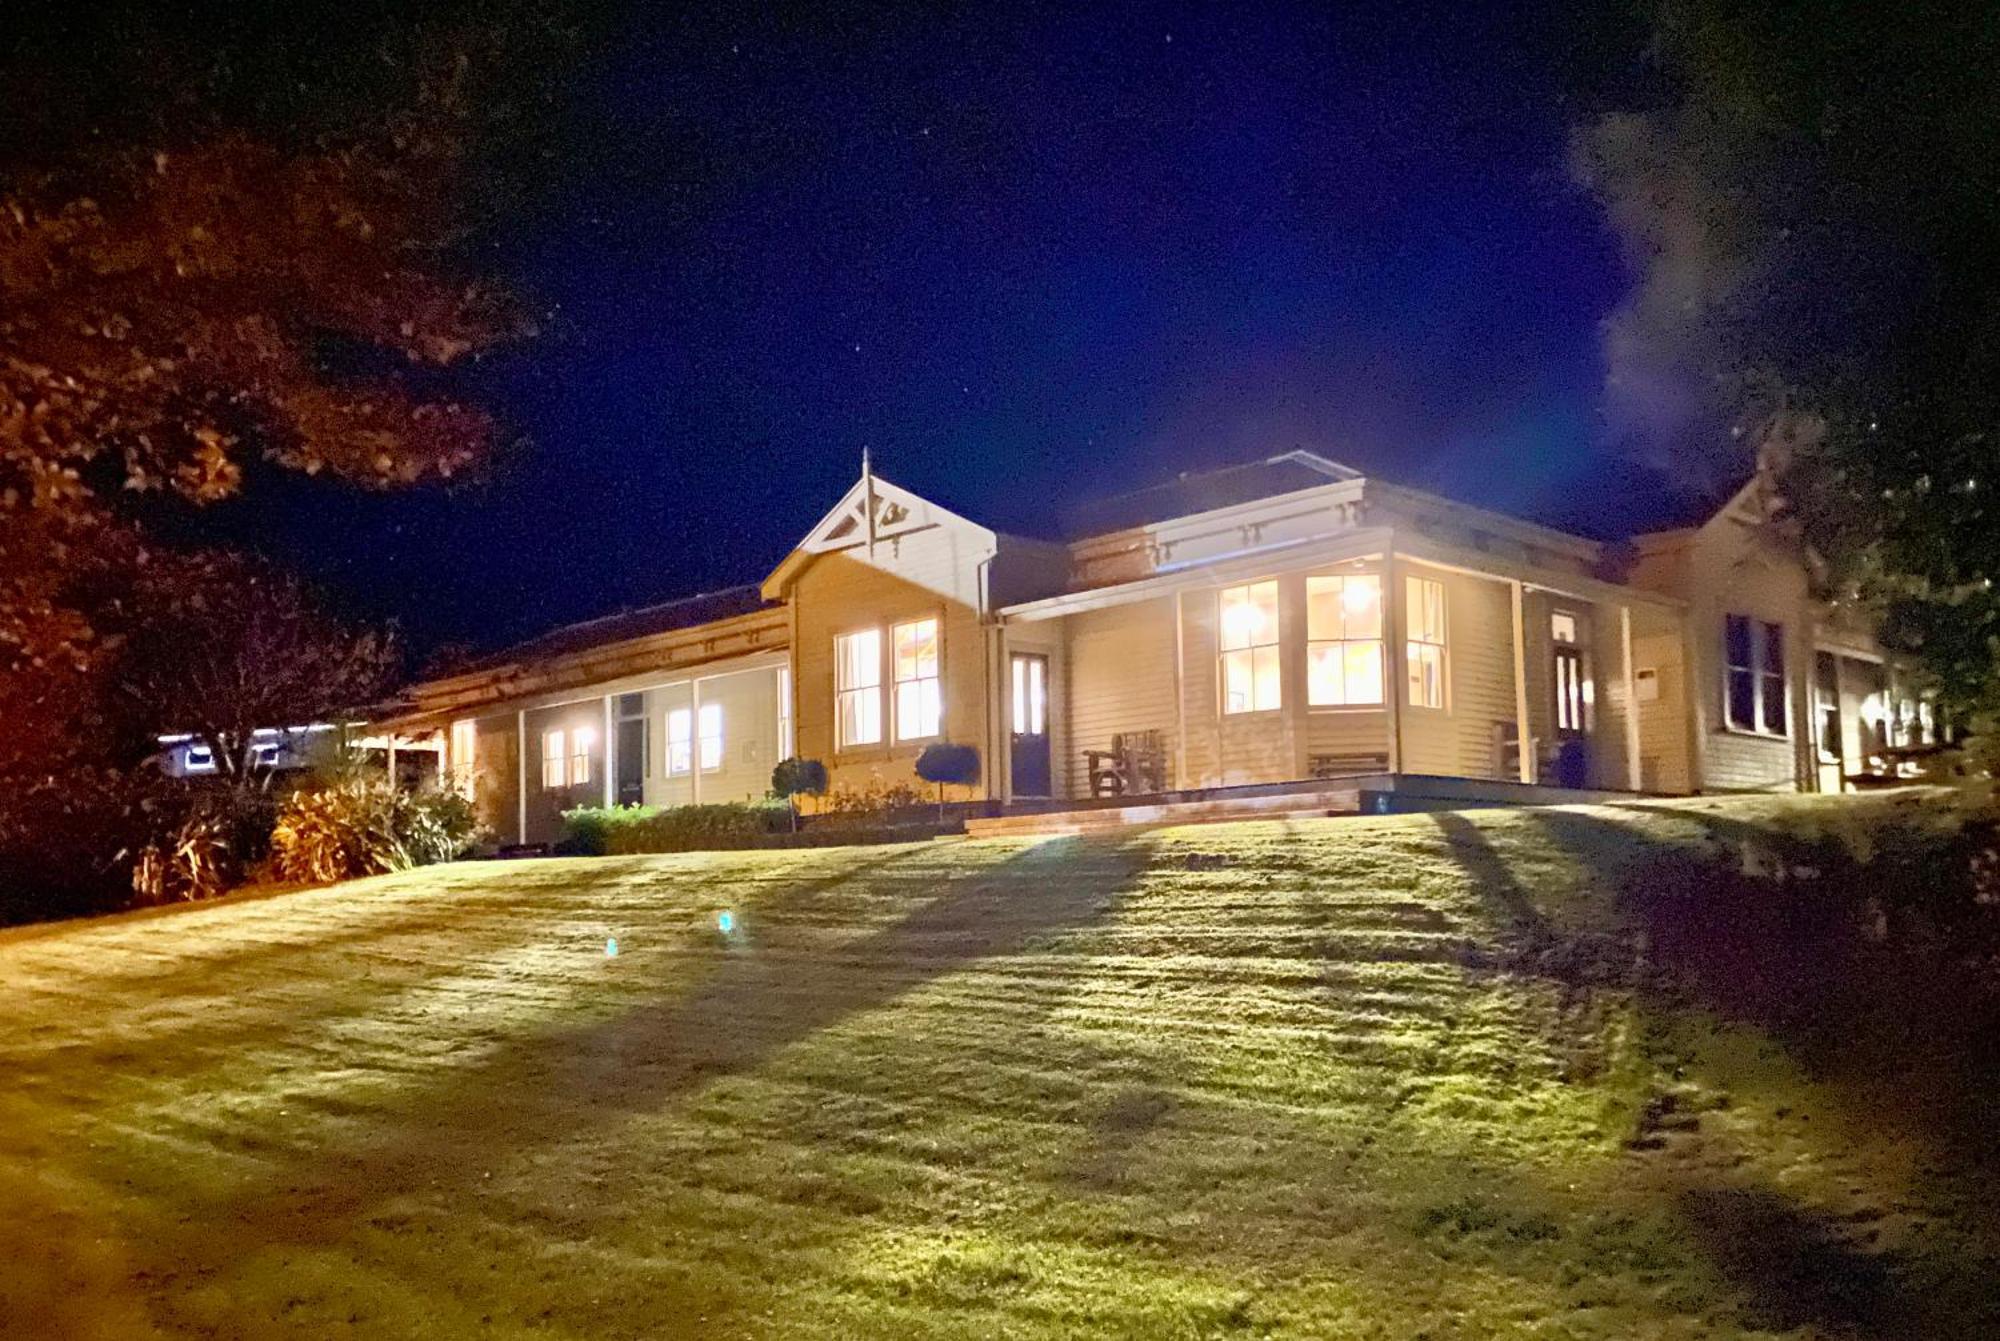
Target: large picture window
column 919, row 695
column 1250, row 678
column 857, row 678
column 1425, row 633
column 1753, row 694
column 1344, row 640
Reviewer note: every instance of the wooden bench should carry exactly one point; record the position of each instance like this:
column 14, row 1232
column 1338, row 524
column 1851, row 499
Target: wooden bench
column 1347, row 765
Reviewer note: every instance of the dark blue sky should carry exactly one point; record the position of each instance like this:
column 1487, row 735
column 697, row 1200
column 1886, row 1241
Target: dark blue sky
column 1023, row 258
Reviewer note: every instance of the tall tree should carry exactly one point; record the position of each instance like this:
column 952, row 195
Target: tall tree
column 1811, row 199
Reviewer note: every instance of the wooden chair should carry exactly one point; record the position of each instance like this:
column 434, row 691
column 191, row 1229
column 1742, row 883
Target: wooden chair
column 1135, row 765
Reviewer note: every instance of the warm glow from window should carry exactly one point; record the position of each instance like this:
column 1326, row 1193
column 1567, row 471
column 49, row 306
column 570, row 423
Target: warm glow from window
column 1344, row 640
column 464, row 747
column 680, row 741
column 711, row 737
column 1425, row 634
column 1031, row 696
column 580, row 741
column 919, row 694
column 1250, row 675
column 1562, row 626
column 857, row 678
column 555, row 760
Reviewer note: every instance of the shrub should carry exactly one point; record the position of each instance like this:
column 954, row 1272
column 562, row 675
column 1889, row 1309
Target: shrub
column 203, row 845
column 357, row 829
column 591, row 830
column 619, row 830
column 948, row 764
column 796, row 777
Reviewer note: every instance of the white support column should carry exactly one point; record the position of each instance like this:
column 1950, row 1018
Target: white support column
column 1395, row 665
column 1524, row 746
column 1180, row 692
column 439, row 739
column 610, row 756
column 521, row 775
column 391, row 767
column 1633, row 776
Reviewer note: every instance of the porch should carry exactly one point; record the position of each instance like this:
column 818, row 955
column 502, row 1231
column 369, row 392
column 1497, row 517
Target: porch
column 1376, row 655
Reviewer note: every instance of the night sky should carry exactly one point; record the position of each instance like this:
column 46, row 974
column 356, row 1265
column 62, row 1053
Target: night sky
column 1023, row 259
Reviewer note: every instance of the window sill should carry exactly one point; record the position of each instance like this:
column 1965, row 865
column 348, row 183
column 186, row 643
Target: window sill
column 1748, row 733
column 1345, row 708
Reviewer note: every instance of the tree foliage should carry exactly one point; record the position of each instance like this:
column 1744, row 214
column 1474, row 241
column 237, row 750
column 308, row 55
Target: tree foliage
column 220, row 645
column 1811, row 202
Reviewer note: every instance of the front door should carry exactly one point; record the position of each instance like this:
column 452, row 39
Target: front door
column 1572, row 757
column 1030, row 724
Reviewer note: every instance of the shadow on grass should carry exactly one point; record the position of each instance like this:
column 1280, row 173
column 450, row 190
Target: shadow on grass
column 1873, row 971
column 543, row 1089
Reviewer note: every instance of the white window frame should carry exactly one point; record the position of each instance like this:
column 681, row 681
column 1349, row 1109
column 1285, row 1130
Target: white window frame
column 854, row 703
column 204, row 764
column 1765, row 683
column 1427, row 666
column 581, row 738
column 1250, row 654
column 1341, row 640
column 917, row 693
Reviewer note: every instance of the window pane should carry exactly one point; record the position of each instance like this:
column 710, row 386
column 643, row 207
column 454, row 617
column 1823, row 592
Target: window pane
column 1265, row 666
column 1364, row 672
column 1236, row 681
column 917, row 709
column 1774, row 649
column 554, row 759
column 1249, row 615
column 1742, row 700
column 1361, row 607
column 1562, row 626
column 858, row 659
column 1736, row 641
column 916, row 649
column 1326, row 682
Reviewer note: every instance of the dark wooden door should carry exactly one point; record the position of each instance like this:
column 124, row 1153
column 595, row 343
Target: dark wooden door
column 1030, row 682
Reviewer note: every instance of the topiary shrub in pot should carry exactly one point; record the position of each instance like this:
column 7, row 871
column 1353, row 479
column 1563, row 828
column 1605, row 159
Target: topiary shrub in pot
column 948, row 765
column 795, row 777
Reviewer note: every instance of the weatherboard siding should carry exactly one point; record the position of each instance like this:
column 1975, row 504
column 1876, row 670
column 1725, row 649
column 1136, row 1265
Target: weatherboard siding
column 1121, row 678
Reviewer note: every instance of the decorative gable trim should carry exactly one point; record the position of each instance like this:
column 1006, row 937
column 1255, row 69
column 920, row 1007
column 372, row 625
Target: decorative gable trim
column 897, row 513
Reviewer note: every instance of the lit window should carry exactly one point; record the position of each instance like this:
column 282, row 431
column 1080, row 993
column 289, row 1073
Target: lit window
column 555, row 760
column 1425, row 635
column 1343, row 640
column 919, row 700
column 580, row 741
column 785, row 745
column 464, row 742
column 857, row 673
column 1562, row 626
column 680, row 741
column 1753, row 654
column 264, row 754
column 200, row 758
column 1250, row 681
column 711, row 737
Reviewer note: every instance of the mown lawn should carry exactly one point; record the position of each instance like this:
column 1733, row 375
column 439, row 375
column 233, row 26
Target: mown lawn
column 1390, row 1078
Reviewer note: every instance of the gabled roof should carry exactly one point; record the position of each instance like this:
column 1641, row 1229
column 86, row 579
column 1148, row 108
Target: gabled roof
column 1205, row 491
column 846, row 525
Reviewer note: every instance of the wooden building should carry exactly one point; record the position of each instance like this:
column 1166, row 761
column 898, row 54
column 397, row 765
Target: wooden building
column 1285, row 626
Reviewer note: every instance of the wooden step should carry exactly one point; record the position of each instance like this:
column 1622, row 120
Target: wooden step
column 1288, row 805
